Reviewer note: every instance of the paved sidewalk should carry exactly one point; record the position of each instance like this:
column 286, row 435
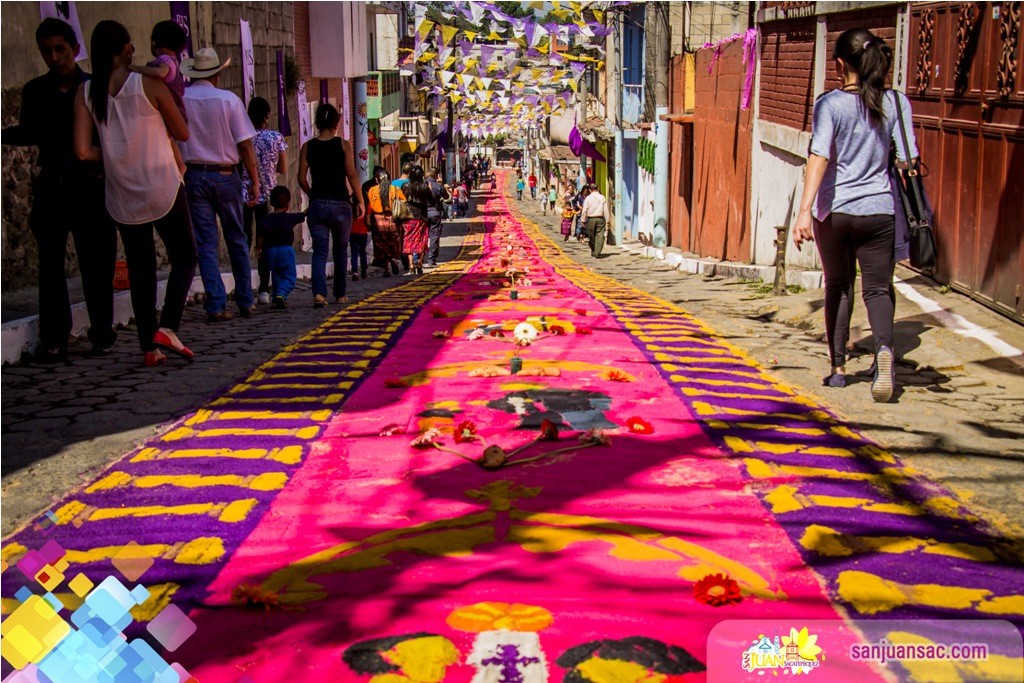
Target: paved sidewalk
column 959, row 415
column 63, row 424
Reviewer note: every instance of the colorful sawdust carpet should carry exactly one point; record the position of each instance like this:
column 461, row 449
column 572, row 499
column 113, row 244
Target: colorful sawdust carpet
column 513, row 469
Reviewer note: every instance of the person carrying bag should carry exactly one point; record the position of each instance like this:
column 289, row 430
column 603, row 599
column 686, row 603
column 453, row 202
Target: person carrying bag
column 917, row 210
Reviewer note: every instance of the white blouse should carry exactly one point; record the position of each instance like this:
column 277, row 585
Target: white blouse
column 142, row 178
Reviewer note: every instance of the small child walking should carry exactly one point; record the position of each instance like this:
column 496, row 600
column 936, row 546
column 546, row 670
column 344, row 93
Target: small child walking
column 275, row 233
column 358, row 240
column 167, row 42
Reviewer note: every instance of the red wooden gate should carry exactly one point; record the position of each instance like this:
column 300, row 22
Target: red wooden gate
column 968, row 102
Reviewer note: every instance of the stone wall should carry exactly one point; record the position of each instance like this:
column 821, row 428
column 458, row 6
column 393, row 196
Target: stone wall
column 19, row 266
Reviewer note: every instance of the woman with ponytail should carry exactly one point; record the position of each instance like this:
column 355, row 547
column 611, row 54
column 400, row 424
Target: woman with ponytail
column 133, row 115
column 847, row 205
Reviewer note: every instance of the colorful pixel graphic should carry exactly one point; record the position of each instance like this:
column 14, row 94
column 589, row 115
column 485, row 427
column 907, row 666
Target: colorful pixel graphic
column 43, row 647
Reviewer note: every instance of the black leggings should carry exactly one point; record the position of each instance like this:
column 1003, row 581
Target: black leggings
column 844, row 240
column 175, row 230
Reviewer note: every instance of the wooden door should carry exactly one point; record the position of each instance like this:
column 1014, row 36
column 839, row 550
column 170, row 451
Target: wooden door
column 968, row 105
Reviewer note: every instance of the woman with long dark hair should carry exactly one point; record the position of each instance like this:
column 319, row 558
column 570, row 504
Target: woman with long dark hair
column 133, row 115
column 387, row 242
column 853, row 218
column 420, row 199
column 327, row 174
column 271, row 159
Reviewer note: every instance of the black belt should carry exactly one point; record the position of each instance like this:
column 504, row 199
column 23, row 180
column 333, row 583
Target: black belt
column 212, row 168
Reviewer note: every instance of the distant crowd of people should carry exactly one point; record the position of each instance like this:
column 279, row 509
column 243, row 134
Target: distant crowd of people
column 131, row 149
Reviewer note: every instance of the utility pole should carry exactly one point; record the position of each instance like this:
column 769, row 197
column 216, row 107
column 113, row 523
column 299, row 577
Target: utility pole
column 583, row 119
column 660, row 32
column 449, row 139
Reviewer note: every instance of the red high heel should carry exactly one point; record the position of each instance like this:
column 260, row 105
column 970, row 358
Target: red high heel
column 165, row 342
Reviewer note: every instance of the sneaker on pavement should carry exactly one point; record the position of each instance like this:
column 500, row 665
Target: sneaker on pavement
column 885, row 375
column 264, row 298
column 280, row 303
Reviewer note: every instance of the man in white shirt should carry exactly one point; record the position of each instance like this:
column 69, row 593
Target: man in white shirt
column 220, row 135
column 594, row 216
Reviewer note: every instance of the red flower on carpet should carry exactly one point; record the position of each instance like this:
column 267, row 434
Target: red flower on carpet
column 392, row 429
column 497, row 333
column 579, row 311
column 617, row 376
column 583, row 329
column 395, row 383
column 437, row 312
column 548, row 431
column 556, row 330
column 637, row 425
column 717, row 590
column 465, row 431
column 254, row 596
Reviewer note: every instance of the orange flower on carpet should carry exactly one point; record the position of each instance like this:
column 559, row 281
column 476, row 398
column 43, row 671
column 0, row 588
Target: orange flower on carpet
column 638, row 425
column 595, row 437
column 442, row 334
column 427, row 439
column 254, row 596
column 617, row 376
column 548, row 431
column 465, row 431
column 395, row 383
column 717, row 590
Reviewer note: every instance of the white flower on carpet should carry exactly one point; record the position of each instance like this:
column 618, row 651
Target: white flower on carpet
column 524, row 334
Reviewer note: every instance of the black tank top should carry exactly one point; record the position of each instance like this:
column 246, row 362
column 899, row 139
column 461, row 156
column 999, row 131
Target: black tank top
column 326, row 159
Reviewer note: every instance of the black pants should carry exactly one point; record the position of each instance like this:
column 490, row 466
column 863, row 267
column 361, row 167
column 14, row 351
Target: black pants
column 433, row 239
column 844, row 240
column 74, row 205
column 596, row 229
column 251, row 216
column 175, row 230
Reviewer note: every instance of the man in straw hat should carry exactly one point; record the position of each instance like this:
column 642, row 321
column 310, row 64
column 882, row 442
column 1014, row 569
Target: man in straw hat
column 220, row 135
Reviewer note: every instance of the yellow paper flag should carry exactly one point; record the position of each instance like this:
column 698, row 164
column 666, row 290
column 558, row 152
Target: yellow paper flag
column 424, row 28
column 447, row 33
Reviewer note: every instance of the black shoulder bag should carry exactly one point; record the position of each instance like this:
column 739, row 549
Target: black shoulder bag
column 915, row 204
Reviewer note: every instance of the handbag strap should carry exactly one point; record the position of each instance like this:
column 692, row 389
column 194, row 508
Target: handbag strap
column 903, row 130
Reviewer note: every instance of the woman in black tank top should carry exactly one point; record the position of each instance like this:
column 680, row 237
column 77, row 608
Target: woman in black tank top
column 327, row 161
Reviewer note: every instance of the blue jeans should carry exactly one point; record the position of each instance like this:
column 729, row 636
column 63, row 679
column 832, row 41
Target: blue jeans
column 327, row 219
column 281, row 261
column 358, row 244
column 212, row 195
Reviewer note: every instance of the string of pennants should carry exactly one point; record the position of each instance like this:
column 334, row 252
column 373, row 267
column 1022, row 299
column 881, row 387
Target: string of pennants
column 508, row 85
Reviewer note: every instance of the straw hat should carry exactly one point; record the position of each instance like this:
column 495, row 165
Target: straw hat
column 205, row 64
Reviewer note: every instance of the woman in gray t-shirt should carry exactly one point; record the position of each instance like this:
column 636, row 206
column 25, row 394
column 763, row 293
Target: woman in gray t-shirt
column 852, row 218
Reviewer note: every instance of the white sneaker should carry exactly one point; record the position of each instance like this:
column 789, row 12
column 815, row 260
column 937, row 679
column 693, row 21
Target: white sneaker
column 264, row 298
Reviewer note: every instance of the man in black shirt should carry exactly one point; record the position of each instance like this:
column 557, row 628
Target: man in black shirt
column 440, row 194
column 68, row 196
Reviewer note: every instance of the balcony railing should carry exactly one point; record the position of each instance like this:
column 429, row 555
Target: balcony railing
column 409, row 125
column 632, row 104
